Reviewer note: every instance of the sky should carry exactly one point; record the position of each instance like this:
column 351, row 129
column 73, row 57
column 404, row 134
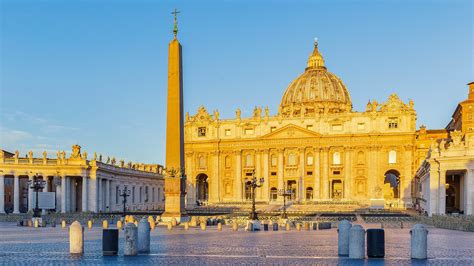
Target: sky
column 94, row 72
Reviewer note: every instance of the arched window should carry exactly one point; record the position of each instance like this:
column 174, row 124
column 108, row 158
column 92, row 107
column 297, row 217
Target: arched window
column 274, row 160
column 309, row 159
column 273, row 194
column 227, row 161
column 336, row 158
column 202, row 162
column 292, row 159
column 392, row 157
column 249, row 160
column 309, row 193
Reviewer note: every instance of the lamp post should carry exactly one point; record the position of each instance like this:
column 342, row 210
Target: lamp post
column 254, row 183
column 285, row 192
column 124, row 194
column 36, row 184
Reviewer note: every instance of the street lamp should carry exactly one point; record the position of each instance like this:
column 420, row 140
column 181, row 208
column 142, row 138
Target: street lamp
column 253, row 183
column 285, row 193
column 124, row 194
column 36, row 184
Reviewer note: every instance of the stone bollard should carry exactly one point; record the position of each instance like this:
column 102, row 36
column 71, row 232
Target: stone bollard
column 170, row 226
column 63, row 224
column 36, row 223
column 174, row 222
column 275, row 227
column 110, row 238
column 186, row 226
column 76, row 238
column 219, row 226
column 131, row 239
column 419, row 242
column 357, row 242
column 298, row 226
column 89, row 224
column 235, row 226
column 144, row 236
column 105, row 224
column 288, row 228
column 119, row 224
column 306, row 226
column 203, row 226
column 343, row 231
column 375, row 243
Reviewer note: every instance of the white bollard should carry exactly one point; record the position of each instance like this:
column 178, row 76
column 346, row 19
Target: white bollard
column 131, row 239
column 219, row 226
column 357, row 242
column 144, row 236
column 343, row 230
column 419, row 242
column 76, row 238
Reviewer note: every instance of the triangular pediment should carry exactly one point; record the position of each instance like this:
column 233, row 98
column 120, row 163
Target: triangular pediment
column 291, row 131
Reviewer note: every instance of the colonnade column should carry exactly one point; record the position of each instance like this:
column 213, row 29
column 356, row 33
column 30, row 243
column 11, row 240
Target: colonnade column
column 67, row 195
column 16, row 194
column 280, row 172
column 325, row 182
column 107, row 195
column 30, row 194
column 93, row 193
column 266, row 183
column 84, row 194
column 2, row 193
column 347, row 174
column 63, row 194
column 302, row 189
column 442, row 191
column 99, row 194
column 469, row 192
column 317, row 175
column 238, row 176
column 433, row 187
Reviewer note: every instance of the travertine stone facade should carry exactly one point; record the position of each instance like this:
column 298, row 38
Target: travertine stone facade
column 81, row 184
column 315, row 145
column 444, row 183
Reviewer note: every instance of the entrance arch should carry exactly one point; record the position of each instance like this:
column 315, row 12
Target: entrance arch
column 391, row 187
column 202, row 189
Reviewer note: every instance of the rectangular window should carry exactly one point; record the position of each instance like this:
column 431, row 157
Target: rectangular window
column 228, row 132
column 248, row 131
column 337, row 127
column 336, row 172
column 309, row 173
column 272, row 129
column 309, row 127
column 360, row 126
column 201, row 131
column 274, row 173
column 392, row 123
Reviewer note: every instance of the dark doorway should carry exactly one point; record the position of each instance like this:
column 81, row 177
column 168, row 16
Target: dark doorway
column 202, row 188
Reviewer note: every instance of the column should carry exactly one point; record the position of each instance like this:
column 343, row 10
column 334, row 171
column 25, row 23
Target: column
column 16, row 194
column 258, row 174
column 347, row 174
column 113, row 196
column 99, row 194
column 405, row 180
column 372, row 176
column 30, row 195
column 442, row 191
column 469, row 188
column 266, row 183
column 2, row 193
column 325, row 181
column 214, row 194
column 280, row 172
column 68, row 194
column 107, row 195
column 317, row 175
column 93, row 192
column 63, row 194
column 302, row 190
column 434, row 187
column 84, row 194
column 238, row 176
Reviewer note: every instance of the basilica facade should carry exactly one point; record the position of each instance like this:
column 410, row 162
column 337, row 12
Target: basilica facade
column 316, row 147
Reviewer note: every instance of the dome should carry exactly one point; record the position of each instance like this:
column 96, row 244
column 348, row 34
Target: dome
column 315, row 91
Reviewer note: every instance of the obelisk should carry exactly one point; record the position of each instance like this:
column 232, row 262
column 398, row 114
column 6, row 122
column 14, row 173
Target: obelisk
column 175, row 178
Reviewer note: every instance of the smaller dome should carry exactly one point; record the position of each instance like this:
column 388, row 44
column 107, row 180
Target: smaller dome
column 316, row 90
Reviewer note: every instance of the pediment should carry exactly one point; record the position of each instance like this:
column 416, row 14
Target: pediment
column 291, row 131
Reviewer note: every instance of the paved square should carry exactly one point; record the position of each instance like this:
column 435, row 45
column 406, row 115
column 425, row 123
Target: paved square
column 50, row 246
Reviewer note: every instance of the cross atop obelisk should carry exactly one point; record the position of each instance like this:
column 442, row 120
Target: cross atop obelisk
column 175, row 28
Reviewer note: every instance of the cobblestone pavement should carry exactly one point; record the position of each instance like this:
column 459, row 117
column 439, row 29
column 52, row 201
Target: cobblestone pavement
column 22, row 245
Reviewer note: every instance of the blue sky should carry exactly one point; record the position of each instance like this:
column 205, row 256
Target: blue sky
column 94, row 72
